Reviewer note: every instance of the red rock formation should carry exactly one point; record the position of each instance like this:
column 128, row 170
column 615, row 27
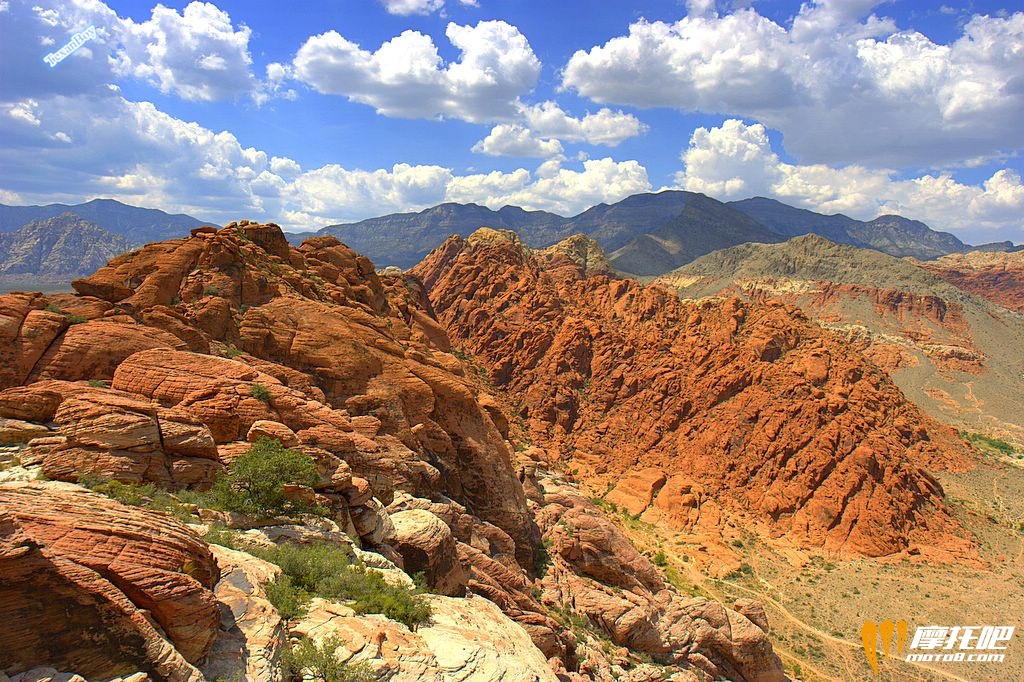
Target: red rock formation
column 999, row 277
column 755, row 403
column 129, row 588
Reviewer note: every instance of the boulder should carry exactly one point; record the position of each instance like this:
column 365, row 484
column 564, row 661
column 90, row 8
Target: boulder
column 426, row 544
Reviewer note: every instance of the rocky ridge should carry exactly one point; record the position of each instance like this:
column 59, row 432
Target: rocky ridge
column 740, row 409
column 172, row 360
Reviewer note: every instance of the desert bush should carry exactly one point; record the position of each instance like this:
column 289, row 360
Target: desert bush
column 324, row 570
column 306, row 660
column 260, row 392
column 254, row 484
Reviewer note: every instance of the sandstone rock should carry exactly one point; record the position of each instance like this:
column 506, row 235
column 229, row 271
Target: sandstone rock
column 93, row 350
column 121, row 566
column 29, row 405
column 630, row 377
column 15, row 431
column 635, row 492
column 268, row 429
column 467, row 639
column 252, row 633
column 426, row 544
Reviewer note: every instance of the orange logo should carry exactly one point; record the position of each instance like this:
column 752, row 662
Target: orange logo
column 871, row 633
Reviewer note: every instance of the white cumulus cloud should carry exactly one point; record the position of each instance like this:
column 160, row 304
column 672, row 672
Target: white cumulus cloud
column 736, row 161
column 515, row 140
column 406, row 76
column 841, row 88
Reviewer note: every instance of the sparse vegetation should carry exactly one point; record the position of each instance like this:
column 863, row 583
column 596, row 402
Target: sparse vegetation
column 325, row 571
column 54, row 308
column 660, row 559
column 989, row 445
column 97, row 383
column 74, row 318
column 254, row 484
column 305, row 660
column 541, row 558
column 211, row 291
column 138, row 495
column 260, row 392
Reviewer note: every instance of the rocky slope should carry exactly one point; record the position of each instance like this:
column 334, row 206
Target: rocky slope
column 164, row 368
column 998, row 277
column 733, row 409
column 951, row 351
column 58, row 249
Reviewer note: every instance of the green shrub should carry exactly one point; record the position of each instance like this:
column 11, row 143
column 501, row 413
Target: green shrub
column 541, row 558
column 138, row 495
column 232, row 352
column 306, row 660
column 54, row 308
column 73, row 318
column 211, row 291
column 260, row 392
column 254, row 484
column 289, row 600
column 324, row 570
column 660, row 559
column 97, row 383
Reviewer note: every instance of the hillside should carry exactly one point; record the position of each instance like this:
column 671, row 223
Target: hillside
column 782, row 421
column 954, row 353
column 702, row 225
column 135, row 224
column 998, row 277
column 173, row 380
column 56, row 250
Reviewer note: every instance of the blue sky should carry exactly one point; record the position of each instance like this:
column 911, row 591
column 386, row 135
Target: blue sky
column 317, row 112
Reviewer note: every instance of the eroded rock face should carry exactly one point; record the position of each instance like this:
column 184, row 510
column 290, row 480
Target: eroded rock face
column 602, row 576
column 427, row 544
column 116, row 567
column 775, row 416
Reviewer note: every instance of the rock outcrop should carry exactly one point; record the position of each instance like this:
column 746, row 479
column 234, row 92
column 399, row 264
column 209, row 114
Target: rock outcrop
column 754, row 403
column 93, row 586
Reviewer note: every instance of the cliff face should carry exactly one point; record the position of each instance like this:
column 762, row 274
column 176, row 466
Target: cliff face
column 170, row 361
column 745, row 409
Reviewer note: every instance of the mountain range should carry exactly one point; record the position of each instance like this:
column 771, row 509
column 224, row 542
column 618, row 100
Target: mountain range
column 644, row 234
column 137, row 225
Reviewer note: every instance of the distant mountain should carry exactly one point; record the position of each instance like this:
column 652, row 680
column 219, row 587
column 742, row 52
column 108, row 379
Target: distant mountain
column 137, row 225
column 403, row 239
column 894, row 235
column 644, row 234
column 57, row 250
column 701, row 225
